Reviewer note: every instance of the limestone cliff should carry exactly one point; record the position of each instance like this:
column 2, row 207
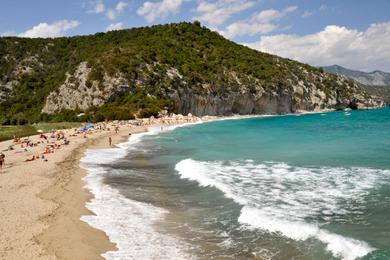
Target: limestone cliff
column 238, row 98
column 76, row 93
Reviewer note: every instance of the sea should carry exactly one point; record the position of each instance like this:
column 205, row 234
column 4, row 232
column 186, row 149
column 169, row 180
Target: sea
column 301, row 186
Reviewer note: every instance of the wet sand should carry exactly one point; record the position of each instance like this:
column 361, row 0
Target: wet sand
column 41, row 202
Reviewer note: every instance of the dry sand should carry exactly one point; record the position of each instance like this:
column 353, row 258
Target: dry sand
column 41, row 202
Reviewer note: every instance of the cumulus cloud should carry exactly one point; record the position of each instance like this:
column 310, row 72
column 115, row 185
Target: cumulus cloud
column 97, row 7
column 259, row 23
column 363, row 50
column 272, row 14
column 154, row 10
column 115, row 26
column 46, row 30
column 217, row 12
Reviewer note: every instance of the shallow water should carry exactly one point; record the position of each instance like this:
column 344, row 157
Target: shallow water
column 313, row 186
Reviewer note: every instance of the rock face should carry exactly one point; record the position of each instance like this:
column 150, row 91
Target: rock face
column 281, row 99
column 281, row 102
column 5, row 90
column 238, row 98
column 76, row 93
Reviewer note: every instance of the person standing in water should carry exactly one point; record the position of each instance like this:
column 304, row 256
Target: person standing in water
column 109, row 141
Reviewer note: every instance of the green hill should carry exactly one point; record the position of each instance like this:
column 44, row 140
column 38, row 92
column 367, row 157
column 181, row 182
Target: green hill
column 184, row 68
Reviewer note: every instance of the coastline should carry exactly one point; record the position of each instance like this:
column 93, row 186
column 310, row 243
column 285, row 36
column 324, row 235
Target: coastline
column 41, row 205
column 42, row 202
column 69, row 193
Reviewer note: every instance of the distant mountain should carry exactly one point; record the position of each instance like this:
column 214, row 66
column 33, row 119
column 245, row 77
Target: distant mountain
column 375, row 78
column 375, row 83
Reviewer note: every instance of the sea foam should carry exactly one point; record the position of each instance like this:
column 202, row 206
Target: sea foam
column 128, row 223
column 279, row 198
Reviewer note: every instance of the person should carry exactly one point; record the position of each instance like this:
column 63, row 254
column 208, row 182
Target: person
column 30, row 160
column 109, row 140
column 2, row 160
column 47, row 150
column 116, row 129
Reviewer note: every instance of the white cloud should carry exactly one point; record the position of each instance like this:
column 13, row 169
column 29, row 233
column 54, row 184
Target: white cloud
column 307, row 14
column 247, row 28
column 259, row 23
column 365, row 50
column 46, row 30
column 115, row 26
column 97, row 7
column 120, row 7
column 111, row 14
column 272, row 14
column 154, row 10
column 217, row 12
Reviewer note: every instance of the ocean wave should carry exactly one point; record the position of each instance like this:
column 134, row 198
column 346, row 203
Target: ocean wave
column 127, row 223
column 280, row 198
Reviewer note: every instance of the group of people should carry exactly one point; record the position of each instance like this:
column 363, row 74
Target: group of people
column 38, row 148
column 50, row 144
column 48, row 141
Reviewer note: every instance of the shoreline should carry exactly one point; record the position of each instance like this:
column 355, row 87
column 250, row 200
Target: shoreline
column 45, row 201
column 42, row 202
column 69, row 193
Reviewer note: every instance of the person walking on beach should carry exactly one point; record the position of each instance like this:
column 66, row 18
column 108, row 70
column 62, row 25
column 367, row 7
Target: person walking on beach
column 2, row 161
column 109, row 140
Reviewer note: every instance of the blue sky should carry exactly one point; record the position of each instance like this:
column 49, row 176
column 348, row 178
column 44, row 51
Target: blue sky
column 355, row 34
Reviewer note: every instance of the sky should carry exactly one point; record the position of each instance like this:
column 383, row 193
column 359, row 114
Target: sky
column 351, row 33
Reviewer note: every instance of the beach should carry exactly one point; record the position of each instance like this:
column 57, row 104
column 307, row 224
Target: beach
column 42, row 201
column 156, row 186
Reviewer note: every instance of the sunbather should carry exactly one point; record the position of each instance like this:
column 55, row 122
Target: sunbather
column 30, row 160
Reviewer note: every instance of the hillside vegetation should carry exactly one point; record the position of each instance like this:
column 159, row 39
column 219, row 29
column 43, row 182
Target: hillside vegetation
column 138, row 72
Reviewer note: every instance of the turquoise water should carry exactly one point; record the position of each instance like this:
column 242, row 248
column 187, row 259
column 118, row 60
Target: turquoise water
column 314, row 186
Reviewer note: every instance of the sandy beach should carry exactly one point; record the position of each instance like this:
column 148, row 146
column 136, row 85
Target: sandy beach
column 42, row 200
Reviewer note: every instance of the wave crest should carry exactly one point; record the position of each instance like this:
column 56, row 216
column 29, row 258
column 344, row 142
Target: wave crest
column 281, row 198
